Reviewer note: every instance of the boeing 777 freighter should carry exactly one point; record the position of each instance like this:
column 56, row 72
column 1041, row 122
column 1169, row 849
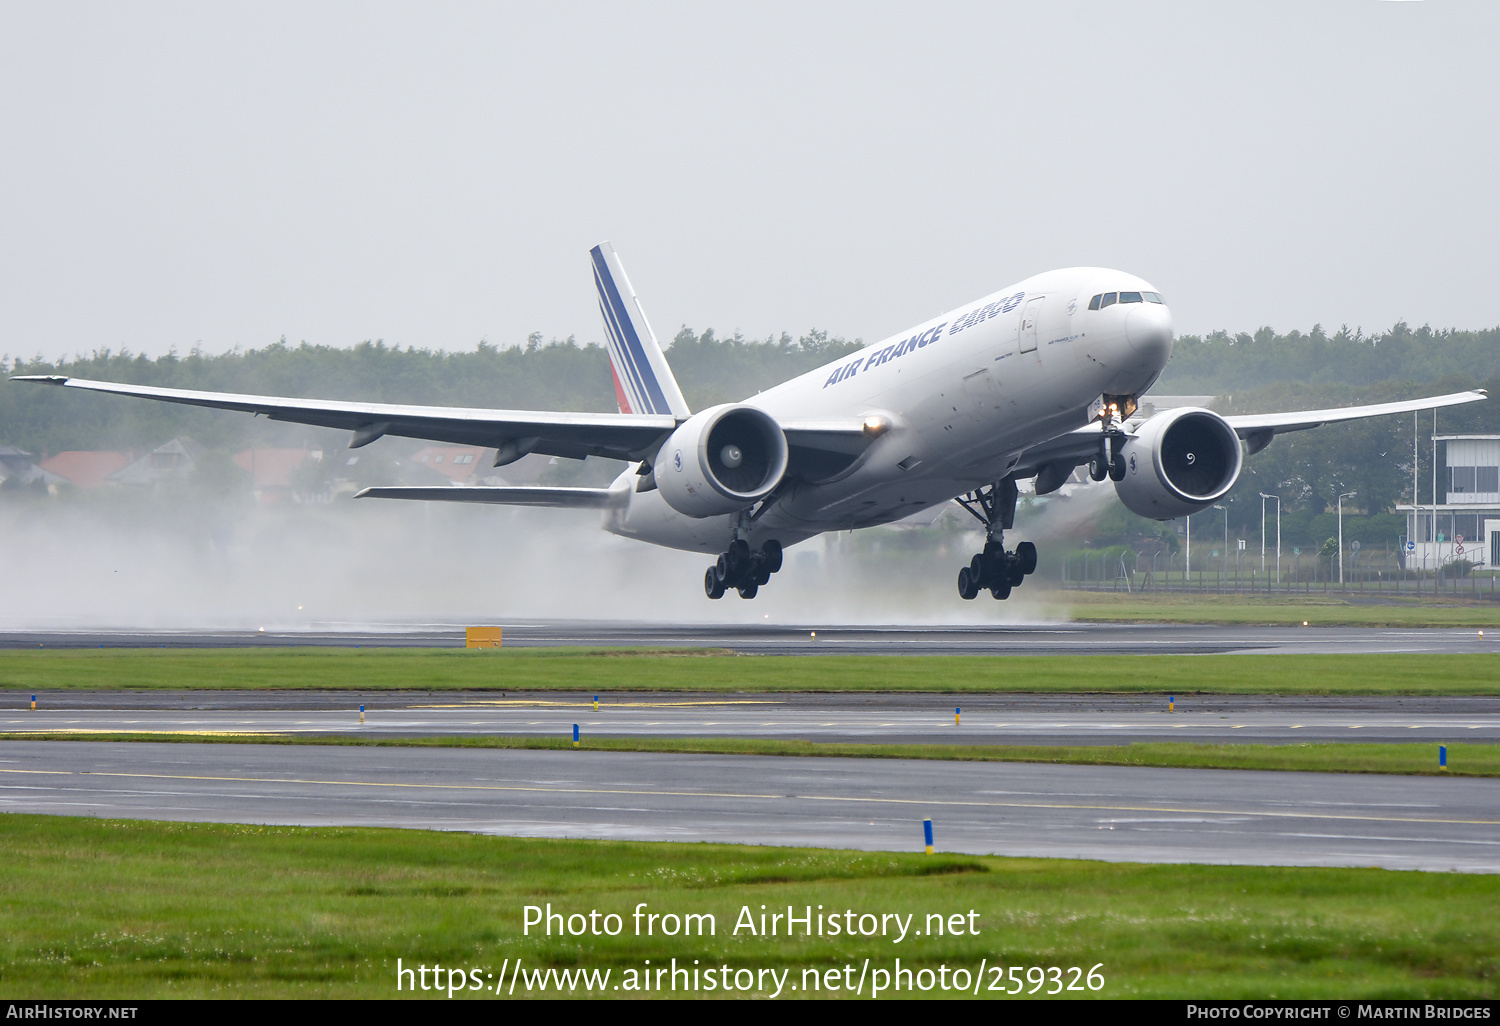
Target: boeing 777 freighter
column 1031, row 381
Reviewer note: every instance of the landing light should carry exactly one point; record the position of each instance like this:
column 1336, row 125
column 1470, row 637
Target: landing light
column 875, row 426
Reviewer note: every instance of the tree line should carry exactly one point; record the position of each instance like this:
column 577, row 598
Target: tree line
column 555, row 375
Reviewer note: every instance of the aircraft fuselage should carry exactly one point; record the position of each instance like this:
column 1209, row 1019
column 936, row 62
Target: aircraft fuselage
column 965, row 394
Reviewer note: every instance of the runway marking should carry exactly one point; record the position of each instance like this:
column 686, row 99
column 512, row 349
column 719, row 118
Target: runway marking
column 574, row 705
column 947, row 803
column 42, row 731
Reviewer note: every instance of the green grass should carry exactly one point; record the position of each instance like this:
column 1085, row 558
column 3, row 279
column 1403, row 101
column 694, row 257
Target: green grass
column 1468, row 760
column 1317, row 609
column 712, row 671
column 129, row 909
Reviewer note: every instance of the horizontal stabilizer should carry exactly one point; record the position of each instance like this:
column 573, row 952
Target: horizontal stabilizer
column 556, row 498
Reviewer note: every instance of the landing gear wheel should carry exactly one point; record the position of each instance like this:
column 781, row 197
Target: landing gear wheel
column 1098, row 468
column 1026, row 557
column 771, row 556
column 1117, row 467
column 967, row 587
column 743, row 569
column 738, row 554
column 996, row 569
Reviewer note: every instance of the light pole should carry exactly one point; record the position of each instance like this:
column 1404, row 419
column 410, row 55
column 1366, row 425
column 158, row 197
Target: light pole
column 1263, row 498
column 1226, row 530
column 1225, row 557
column 1187, row 561
column 1345, row 495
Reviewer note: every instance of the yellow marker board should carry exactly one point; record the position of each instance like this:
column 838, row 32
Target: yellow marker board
column 482, row 637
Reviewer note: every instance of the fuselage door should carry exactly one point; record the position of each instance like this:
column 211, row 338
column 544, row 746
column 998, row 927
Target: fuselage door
column 1029, row 315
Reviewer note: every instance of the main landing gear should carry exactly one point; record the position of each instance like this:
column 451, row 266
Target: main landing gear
column 995, row 569
column 742, row 569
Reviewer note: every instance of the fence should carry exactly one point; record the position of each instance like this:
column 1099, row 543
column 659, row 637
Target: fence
column 1162, row 571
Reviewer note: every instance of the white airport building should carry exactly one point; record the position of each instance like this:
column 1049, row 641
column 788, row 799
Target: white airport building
column 1463, row 520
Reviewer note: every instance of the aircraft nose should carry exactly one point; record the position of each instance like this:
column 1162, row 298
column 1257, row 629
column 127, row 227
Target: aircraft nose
column 1148, row 328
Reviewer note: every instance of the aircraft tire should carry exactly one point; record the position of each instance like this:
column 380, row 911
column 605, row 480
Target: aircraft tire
column 738, row 554
column 1026, row 557
column 764, row 578
column 977, row 569
column 713, row 586
column 747, row 591
column 1014, row 576
column 1000, row 591
column 1098, row 469
column 967, row 588
column 771, row 553
column 1117, row 467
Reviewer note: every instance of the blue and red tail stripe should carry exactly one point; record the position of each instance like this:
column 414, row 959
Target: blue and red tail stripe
column 639, row 387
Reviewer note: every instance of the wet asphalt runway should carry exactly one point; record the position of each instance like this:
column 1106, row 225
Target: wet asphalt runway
column 904, row 719
column 1041, row 639
column 1117, row 813
column 1112, row 813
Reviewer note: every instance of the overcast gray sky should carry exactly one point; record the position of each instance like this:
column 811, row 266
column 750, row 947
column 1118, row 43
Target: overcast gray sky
column 433, row 174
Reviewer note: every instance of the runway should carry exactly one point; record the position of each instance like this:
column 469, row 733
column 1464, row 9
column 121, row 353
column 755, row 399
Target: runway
column 1110, row 813
column 808, row 639
column 904, row 719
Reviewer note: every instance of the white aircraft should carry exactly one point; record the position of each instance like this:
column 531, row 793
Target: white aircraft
column 1031, row 381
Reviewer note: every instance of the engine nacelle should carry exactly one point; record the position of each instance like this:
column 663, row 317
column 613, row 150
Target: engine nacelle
column 724, row 459
column 1179, row 462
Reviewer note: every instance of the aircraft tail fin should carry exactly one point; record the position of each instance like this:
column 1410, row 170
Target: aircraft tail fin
column 643, row 381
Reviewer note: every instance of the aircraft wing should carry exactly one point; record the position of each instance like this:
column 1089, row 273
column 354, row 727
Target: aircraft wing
column 554, row 498
column 1257, row 429
column 817, row 447
column 1052, row 460
column 621, row 436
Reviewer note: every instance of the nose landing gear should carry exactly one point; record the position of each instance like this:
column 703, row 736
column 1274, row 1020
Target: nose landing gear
column 742, row 569
column 995, row 569
column 1110, row 462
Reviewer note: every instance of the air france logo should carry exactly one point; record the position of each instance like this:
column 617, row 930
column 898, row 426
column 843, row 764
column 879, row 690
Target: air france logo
column 1072, row 307
column 1132, row 463
column 677, row 459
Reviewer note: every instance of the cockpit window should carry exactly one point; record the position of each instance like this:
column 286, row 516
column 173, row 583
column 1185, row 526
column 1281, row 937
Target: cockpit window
column 1094, row 303
column 1109, row 299
column 1152, row 297
column 1130, row 297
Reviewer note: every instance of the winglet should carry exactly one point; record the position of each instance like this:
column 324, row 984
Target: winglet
column 643, row 381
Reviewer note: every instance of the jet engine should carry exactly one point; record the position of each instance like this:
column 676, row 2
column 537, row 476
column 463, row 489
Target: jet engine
column 1179, row 462
column 724, row 459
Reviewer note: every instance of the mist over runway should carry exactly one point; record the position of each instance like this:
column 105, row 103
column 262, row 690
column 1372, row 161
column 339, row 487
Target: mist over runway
column 1112, row 813
column 810, row 638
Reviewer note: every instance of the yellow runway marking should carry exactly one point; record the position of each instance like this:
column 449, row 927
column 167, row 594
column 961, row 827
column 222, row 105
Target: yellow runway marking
column 948, row 803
